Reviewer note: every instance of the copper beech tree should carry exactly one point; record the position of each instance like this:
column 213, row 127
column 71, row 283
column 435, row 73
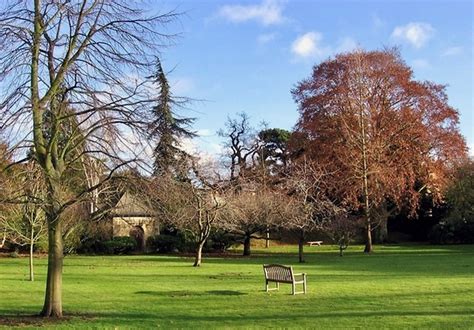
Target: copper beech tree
column 68, row 94
column 385, row 136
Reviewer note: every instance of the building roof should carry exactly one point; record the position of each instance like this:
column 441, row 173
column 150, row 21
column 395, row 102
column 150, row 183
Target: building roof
column 130, row 206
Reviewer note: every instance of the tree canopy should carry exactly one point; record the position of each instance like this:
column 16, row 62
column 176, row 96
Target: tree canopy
column 384, row 135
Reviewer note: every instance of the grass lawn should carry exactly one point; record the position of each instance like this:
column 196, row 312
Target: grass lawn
column 395, row 287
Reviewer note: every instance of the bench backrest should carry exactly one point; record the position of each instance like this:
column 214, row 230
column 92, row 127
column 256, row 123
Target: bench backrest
column 278, row 273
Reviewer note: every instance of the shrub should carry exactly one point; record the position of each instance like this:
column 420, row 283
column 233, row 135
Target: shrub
column 120, row 245
column 166, row 243
column 220, row 241
column 91, row 246
column 452, row 233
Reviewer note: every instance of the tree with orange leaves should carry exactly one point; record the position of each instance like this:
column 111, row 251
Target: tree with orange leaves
column 387, row 137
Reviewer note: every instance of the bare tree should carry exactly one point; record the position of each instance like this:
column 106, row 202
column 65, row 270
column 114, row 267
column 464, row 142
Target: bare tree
column 308, row 207
column 241, row 144
column 24, row 222
column 94, row 170
column 67, row 75
column 251, row 213
column 193, row 206
column 341, row 229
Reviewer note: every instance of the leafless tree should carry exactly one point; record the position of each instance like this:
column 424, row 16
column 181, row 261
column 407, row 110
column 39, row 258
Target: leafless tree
column 309, row 206
column 241, row 144
column 251, row 212
column 24, row 222
column 342, row 229
column 194, row 206
column 70, row 80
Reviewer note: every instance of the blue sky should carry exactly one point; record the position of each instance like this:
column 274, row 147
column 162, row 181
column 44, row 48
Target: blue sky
column 247, row 55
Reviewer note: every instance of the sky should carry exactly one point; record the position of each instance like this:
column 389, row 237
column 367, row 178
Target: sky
column 233, row 56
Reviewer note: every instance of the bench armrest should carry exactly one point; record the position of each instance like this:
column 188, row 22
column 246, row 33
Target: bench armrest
column 302, row 275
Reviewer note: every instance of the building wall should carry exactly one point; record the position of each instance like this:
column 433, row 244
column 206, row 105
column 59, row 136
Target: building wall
column 122, row 226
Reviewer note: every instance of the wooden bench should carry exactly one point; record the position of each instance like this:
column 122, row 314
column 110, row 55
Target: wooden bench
column 318, row 243
column 283, row 274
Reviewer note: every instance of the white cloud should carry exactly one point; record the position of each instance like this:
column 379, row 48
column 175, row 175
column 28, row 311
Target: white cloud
column 268, row 12
column 420, row 63
column 204, row 132
column 266, row 38
column 205, row 149
column 451, row 51
column 346, row 45
column 309, row 45
column 417, row 34
column 471, row 149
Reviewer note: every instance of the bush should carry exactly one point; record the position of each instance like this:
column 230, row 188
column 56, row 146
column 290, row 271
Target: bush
column 220, row 241
column 166, row 243
column 442, row 233
column 458, row 225
column 120, row 245
column 91, row 246
column 452, row 233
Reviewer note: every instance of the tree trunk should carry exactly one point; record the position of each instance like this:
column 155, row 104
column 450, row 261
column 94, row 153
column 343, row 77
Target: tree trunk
column 365, row 182
column 53, row 296
column 247, row 245
column 368, row 238
column 301, row 246
column 198, row 258
column 2, row 243
column 267, row 238
column 300, row 250
column 32, row 274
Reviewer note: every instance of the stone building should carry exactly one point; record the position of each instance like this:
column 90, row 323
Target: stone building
column 131, row 217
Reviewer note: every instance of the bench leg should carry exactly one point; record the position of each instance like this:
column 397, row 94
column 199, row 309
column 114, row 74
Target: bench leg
column 267, row 286
column 304, row 284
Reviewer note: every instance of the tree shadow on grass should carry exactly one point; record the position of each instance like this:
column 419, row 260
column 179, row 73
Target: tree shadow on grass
column 132, row 319
column 186, row 293
column 28, row 320
column 225, row 293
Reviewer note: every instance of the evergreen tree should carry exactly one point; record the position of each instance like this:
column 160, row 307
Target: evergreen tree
column 167, row 128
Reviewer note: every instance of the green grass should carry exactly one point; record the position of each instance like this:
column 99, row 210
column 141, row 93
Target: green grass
column 395, row 287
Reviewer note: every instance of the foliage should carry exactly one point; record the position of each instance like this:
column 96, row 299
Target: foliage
column 384, row 135
column 273, row 150
column 460, row 196
column 167, row 128
column 220, row 241
column 120, row 245
column 458, row 225
column 164, row 243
